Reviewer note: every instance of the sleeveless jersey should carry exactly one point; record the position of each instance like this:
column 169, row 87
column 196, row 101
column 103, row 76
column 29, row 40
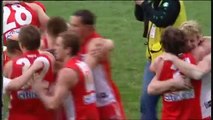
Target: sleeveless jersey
column 106, row 90
column 184, row 104
column 24, row 103
column 205, row 98
column 82, row 99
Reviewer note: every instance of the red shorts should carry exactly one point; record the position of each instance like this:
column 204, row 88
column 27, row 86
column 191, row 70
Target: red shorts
column 111, row 112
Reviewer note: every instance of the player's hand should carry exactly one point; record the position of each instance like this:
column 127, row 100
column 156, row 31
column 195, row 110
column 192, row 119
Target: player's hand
column 182, row 82
column 97, row 49
column 37, row 65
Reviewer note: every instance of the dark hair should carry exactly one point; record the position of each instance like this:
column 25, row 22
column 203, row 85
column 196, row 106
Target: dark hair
column 12, row 46
column 87, row 17
column 30, row 37
column 71, row 40
column 173, row 41
column 56, row 25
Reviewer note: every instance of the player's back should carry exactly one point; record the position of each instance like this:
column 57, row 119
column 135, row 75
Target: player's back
column 24, row 103
column 183, row 104
column 17, row 15
column 82, row 94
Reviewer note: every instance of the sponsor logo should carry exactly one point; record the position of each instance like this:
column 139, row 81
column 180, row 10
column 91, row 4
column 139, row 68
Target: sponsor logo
column 23, row 94
column 178, row 96
column 12, row 32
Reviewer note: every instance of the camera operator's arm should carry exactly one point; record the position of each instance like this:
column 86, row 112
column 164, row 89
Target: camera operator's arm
column 139, row 12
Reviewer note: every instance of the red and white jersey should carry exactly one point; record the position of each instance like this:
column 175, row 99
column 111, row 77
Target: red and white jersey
column 82, row 100
column 205, row 98
column 24, row 103
column 15, row 16
column 106, row 91
column 101, row 74
column 184, row 104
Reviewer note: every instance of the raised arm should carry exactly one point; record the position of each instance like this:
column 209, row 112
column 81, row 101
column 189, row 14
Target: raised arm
column 98, row 50
column 42, row 16
column 193, row 71
column 139, row 12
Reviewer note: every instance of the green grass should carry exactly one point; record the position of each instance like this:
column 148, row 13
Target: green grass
column 115, row 20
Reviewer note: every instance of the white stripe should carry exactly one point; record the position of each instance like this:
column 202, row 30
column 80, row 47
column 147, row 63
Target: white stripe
column 205, row 96
column 104, row 93
column 69, row 107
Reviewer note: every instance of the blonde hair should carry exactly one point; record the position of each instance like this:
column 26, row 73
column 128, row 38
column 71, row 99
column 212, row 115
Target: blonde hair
column 190, row 28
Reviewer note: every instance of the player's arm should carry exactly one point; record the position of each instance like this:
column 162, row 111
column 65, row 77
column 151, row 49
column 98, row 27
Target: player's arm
column 67, row 78
column 157, row 87
column 42, row 16
column 98, row 50
column 206, row 44
column 18, row 82
column 193, row 71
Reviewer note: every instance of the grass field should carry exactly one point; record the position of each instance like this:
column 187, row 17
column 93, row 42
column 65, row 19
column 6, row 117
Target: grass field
column 115, row 20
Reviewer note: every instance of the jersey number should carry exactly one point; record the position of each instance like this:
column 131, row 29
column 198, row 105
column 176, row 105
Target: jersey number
column 26, row 65
column 19, row 11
